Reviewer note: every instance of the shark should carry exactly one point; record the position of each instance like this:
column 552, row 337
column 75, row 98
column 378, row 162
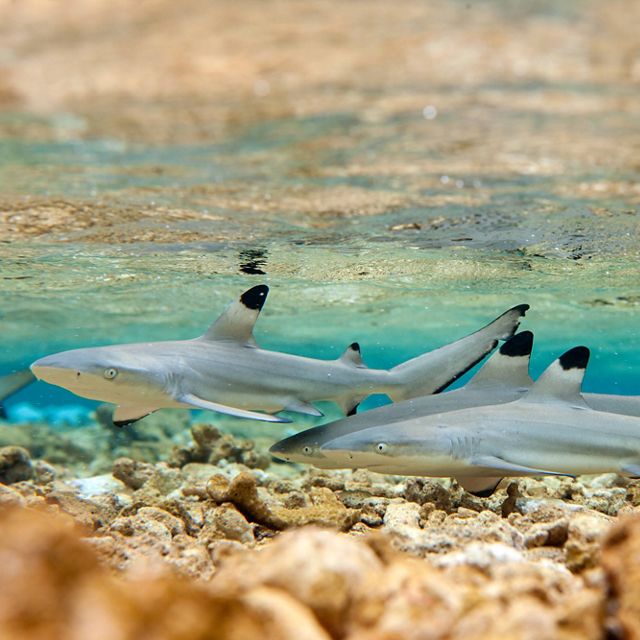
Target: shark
column 12, row 383
column 503, row 378
column 550, row 430
column 224, row 370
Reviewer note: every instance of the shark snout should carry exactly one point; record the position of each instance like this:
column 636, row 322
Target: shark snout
column 54, row 375
column 279, row 450
column 56, row 369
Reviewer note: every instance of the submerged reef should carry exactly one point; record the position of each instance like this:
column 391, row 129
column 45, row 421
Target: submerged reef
column 212, row 538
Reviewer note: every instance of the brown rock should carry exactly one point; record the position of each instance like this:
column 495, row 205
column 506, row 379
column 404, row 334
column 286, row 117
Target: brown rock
column 53, row 589
column 260, row 506
column 409, row 600
column 320, row 568
column 228, row 523
column 586, row 532
column 440, row 533
column 210, row 445
column 621, row 562
column 15, row 465
column 134, row 474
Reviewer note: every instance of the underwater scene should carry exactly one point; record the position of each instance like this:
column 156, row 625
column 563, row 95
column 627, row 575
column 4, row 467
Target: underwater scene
column 319, row 320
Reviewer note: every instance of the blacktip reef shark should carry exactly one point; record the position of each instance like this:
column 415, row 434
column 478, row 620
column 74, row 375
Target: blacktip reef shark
column 224, row 370
column 549, row 431
column 503, row 378
column 12, row 383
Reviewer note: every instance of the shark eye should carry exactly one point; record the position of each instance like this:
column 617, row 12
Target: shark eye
column 306, row 450
column 110, row 374
column 382, row 447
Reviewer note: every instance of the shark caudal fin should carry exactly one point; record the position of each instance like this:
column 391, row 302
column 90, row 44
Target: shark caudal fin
column 236, row 322
column 12, row 383
column 508, row 366
column 562, row 380
column 434, row 371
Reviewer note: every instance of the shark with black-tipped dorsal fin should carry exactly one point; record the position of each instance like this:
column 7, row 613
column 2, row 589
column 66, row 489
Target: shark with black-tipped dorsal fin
column 224, row 370
column 503, row 378
column 549, row 431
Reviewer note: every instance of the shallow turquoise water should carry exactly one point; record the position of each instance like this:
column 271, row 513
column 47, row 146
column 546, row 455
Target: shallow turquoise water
column 403, row 261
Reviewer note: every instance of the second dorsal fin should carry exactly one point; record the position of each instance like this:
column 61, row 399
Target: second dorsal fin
column 237, row 321
column 562, row 380
column 509, row 366
column 352, row 356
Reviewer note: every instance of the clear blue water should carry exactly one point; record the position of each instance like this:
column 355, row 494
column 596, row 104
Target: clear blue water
column 392, row 231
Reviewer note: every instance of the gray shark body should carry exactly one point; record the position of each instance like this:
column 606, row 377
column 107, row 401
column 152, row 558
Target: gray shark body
column 224, row 370
column 550, row 430
column 503, row 378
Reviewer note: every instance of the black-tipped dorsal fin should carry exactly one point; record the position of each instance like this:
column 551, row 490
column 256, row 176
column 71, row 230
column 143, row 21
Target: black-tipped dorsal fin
column 509, row 366
column 562, row 380
column 353, row 356
column 238, row 319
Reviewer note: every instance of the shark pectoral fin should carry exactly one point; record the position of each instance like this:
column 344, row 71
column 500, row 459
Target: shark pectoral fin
column 481, row 487
column 199, row 403
column 511, row 469
column 299, row 406
column 125, row 414
column 237, row 321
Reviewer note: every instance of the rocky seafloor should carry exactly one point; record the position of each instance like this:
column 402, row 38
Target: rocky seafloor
column 211, row 538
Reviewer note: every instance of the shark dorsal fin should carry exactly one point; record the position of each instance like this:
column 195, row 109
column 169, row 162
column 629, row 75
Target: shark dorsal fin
column 238, row 319
column 562, row 380
column 352, row 356
column 509, row 366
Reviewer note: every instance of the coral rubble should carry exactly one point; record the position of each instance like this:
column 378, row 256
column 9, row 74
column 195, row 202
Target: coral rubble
column 215, row 541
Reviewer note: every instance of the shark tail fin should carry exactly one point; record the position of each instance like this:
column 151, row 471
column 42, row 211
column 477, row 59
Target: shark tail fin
column 12, row 383
column 236, row 322
column 562, row 380
column 434, row 371
column 508, row 366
